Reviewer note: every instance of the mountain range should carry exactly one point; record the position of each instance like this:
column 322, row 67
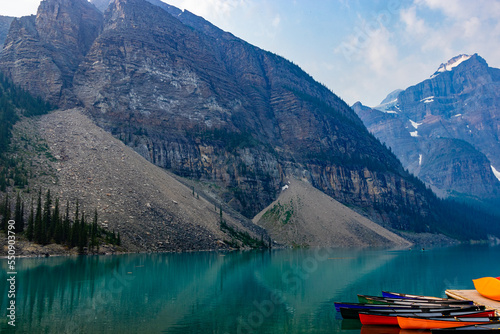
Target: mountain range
column 233, row 121
column 446, row 129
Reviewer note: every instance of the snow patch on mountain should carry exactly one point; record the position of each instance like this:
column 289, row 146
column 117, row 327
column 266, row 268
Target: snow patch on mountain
column 451, row 64
column 497, row 173
column 428, row 99
column 415, row 124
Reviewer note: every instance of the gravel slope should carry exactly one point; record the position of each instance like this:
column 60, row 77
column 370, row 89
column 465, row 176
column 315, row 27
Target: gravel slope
column 305, row 216
column 151, row 209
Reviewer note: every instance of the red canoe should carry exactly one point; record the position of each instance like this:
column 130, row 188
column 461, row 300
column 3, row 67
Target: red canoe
column 391, row 319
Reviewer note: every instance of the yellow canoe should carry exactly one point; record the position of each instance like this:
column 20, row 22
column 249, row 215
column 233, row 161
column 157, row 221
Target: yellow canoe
column 488, row 287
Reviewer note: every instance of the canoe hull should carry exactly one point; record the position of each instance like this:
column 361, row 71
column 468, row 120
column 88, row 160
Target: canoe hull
column 493, row 328
column 488, row 287
column 391, row 319
column 351, row 311
column 433, row 323
column 363, row 306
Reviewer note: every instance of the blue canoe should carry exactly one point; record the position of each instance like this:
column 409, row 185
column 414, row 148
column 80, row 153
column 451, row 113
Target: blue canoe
column 397, row 295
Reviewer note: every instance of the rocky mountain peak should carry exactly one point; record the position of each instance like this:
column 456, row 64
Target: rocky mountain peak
column 389, row 104
column 141, row 16
column 455, row 62
column 445, row 129
column 391, row 96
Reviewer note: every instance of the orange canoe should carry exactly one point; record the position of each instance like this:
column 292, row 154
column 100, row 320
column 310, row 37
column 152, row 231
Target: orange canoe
column 488, row 287
column 444, row 322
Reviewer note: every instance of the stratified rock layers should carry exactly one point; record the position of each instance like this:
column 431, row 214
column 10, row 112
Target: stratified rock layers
column 206, row 105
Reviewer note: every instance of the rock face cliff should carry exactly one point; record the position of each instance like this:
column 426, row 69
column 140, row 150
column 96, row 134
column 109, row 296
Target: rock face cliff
column 446, row 129
column 41, row 53
column 206, row 105
column 5, row 22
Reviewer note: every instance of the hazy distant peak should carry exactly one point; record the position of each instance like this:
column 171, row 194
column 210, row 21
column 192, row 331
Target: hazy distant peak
column 391, row 96
column 390, row 103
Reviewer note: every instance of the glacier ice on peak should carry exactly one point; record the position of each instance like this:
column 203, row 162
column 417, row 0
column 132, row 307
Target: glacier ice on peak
column 451, row 64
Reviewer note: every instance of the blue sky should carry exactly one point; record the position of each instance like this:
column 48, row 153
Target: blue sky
column 361, row 49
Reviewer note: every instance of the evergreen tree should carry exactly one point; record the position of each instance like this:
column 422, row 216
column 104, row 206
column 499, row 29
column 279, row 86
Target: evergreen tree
column 66, row 226
column 2, row 210
column 119, row 239
column 57, row 223
column 3, row 181
column 83, row 236
column 75, row 228
column 31, row 218
column 38, row 228
column 19, row 215
column 22, row 221
column 47, row 219
column 93, row 234
column 5, row 213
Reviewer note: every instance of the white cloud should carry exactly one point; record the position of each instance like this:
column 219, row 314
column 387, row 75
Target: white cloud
column 472, row 27
column 18, row 8
column 381, row 53
column 413, row 24
column 276, row 21
column 466, row 27
column 209, row 9
column 464, row 9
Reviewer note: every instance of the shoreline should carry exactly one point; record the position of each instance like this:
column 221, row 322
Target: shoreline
column 26, row 249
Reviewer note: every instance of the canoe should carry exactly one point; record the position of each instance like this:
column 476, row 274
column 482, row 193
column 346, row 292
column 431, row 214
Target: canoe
column 338, row 305
column 353, row 313
column 492, row 328
column 370, row 306
column 488, row 287
column 376, row 318
column 393, row 295
column 445, row 310
column 386, row 300
column 441, row 322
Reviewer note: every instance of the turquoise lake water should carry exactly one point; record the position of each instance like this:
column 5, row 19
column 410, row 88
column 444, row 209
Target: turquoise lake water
column 279, row 291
